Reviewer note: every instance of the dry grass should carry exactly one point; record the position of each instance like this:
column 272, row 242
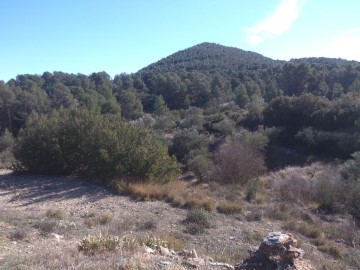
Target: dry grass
column 306, row 229
column 174, row 243
column 178, row 193
column 294, row 184
column 279, row 211
column 93, row 219
column 229, row 208
column 330, row 249
column 55, row 213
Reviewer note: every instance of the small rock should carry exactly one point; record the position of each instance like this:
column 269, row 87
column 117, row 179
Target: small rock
column 164, row 262
column 57, row 236
column 149, row 250
column 225, row 265
column 194, row 254
column 164, row 251
column 232, row 238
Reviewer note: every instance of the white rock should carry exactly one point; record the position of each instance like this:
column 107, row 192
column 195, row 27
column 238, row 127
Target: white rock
column 148, row 250
column 57, row 236
column 164, row 262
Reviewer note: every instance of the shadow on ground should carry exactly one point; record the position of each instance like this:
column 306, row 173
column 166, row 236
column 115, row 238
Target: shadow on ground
column 33, row 189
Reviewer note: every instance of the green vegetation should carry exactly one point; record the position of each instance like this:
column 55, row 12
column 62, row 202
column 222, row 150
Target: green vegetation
column 197, row 221
column 305, row 107
column 81, row 142
column 224, row 114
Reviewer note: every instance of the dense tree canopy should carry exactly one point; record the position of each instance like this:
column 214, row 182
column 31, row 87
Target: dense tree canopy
column 206, row 93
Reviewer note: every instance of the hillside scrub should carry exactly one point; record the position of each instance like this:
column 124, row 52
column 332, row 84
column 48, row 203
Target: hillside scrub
column 79, row 142
column 238, row 163
column 329, row 188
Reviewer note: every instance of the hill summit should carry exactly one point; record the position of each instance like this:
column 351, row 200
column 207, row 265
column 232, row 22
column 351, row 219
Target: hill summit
column 207, row 57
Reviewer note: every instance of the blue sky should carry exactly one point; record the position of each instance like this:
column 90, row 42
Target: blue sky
column 85, row 36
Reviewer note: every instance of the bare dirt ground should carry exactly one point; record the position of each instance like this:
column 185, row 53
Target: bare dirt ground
column 33, row 238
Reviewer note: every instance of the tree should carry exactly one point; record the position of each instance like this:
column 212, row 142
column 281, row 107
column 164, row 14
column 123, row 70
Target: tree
column 241, row 96
column 187, row 140
column 7, row 99
column 131, row 107
column 160, row 107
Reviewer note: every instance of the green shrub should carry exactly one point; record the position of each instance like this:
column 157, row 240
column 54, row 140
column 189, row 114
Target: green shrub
column 197, row 221
column 6, row 141
column 80, row 142
column 226, row 127
column 199, row 162
column 187, row 140
column 6, row 147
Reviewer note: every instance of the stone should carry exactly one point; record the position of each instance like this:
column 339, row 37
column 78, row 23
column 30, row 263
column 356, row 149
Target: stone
column 164, row 251
column 194, row 254
column 57, row 236
column 148, row 250
column 223, row 265
column 276, row 251
column 165, row 263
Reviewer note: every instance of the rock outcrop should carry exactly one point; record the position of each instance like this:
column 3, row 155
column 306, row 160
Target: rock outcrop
column 277, row 252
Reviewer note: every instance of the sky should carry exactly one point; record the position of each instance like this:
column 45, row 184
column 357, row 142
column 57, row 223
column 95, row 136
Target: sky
column 116, row 36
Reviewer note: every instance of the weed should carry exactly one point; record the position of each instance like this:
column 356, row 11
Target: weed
column 319, row 241
column 230, row 255
column 93, row 244
column 91, row 222
column 19, row 234
column 251, row 190
column 105, row 219
column 56, row 214
column 331, row 249
column 197, row 221
column 290, row 225
column 253, row 216
column 130, row 243
column 174, row 243
column 252, row 237
column 154, row 242
column 229, row 208
column 46, row 226
column 309, row 230
column 279, row 212
column 147, row 225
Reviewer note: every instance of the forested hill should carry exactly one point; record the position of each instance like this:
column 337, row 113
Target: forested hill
column 210, row 57
column 313, row 104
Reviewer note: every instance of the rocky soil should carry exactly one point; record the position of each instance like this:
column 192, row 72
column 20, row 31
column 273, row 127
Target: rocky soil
column 42, row 220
